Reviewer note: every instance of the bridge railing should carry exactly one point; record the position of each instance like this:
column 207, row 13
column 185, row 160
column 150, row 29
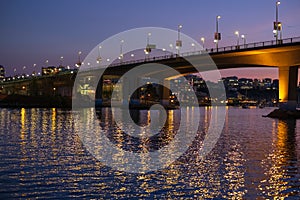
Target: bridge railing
column 212, row 50
column 254, row 45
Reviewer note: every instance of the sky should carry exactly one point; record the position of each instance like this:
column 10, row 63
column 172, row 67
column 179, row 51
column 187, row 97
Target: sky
column 34, row 31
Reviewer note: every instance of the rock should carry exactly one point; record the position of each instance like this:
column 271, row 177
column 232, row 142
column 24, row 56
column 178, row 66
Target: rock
column 284, row 114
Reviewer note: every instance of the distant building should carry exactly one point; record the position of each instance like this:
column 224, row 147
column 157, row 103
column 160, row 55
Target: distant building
column 231, row 83
column 245, row 83
column 2, row 73
column 275, row 84
column 256, row 84
column 52, row 70
column 267, row 82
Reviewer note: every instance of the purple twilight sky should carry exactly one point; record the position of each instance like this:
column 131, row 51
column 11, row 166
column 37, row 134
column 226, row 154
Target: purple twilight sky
column 34, row 31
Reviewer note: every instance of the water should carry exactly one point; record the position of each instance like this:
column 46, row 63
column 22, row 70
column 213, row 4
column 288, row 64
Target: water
column 41, row 155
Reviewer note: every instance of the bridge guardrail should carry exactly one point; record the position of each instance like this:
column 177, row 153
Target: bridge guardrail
column 254, row 45
column 215, row 50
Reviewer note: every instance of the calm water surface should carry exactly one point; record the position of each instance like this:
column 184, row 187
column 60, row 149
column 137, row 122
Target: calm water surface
column 41, row 155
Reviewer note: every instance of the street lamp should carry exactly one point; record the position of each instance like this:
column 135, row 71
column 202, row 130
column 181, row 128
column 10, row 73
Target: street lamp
column 148, row 38
column 202, row 40
column 164, row 50
column 178, row 42
column 61, row 61
column 217, row 34
column 24, row 67
column 79, row 53
column 78, row 64
column 47, row 63
column 277, row 24
column 244, row 40
column 193, row 46
column 34, row 65
column 171, row 48
column 238, row 38
column 147, row 50
column 99, row 57
column 121, row 50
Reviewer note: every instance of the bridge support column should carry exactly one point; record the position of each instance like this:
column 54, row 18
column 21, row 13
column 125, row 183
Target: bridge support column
column 129, row 90
column 164, row 93
column 99, row 90
column 288, row 77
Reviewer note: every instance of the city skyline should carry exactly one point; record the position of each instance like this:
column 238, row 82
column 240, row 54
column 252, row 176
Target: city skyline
column 33, row 31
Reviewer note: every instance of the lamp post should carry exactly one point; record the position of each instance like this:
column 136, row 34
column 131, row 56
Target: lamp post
column 178, row 42
column 47, row 63
column 121, row 51
column 164, row 50
column 61, row 61
column 99, row 57
column 78, row 64
column 34, row 65
column 148, row 38
column 276, row 28
column 193, row 46
column 202, row 40
column 171, row 48
column 147, row 50
column 217, row 34
column 244, row 40
column 24, row 68
column 238, row 38
column 79, row 53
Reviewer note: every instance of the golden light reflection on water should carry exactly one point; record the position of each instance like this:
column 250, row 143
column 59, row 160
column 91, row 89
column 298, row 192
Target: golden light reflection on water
column 235, row 174
column 52, row 160
column 53, row 120
column 23, row 144
column 23, row 122
column 35, row 118
column 277, row 184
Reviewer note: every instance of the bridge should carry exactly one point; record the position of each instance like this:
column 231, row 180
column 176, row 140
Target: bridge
column 284, row 55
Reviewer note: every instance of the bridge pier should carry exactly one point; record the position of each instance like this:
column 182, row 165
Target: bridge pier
column 129, row 90
column 288, row 77
column 164, row 93
column 99, row 91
